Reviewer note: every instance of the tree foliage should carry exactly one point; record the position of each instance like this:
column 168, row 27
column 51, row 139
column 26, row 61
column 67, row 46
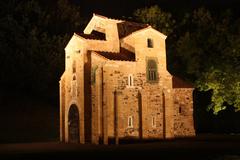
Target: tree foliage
column 157, row 18
column 33, row 35
column 205, row 50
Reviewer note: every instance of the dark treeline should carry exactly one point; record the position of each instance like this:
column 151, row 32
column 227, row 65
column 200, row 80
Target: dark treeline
column 203, row 44
column 203, row 47
column 33, row 36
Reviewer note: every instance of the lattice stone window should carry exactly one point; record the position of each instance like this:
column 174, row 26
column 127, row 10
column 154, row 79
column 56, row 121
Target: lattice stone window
column 150, row 43
column 130, row 122
column 152, row 73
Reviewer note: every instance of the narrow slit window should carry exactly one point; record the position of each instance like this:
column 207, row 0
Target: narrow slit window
column 130, row 80
column 150, row 43
column 74, row 66
column 93, row 74
column 130, row 121
column 180, row 109
column 153, row 121
column 74, row 87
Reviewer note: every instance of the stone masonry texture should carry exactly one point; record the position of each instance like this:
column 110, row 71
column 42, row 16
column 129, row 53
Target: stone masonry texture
column 121, row 87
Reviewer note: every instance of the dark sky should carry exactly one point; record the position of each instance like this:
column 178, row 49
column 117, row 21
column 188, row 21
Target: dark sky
column 120, row 8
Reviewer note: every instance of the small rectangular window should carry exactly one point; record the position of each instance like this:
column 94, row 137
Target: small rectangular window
column 150, row 43
column 180, row 109
column 74, row 66
column 78, row 51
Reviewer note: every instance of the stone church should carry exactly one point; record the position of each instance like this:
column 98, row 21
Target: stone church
column 116, row 86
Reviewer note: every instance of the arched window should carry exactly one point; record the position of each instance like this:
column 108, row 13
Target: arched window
column 74, row 77
column 74, row 66
column 152, row 70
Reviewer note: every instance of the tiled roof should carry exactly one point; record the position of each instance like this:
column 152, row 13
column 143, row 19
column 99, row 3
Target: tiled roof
column 125, row 28
column 179, row 83
column 124, row 55
column 94, row 35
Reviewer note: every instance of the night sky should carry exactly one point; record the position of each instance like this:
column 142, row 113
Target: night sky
column 120, row 8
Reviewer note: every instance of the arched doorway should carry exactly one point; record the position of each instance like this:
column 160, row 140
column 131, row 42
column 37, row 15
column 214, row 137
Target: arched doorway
column 73, row 124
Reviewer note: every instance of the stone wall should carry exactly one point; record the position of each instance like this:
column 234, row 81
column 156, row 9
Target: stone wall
column 107, row 102
column 109, row 28
column 62, row 108
column 96, row 96
column 75, row 51
column 183, row 117
column 115, row 79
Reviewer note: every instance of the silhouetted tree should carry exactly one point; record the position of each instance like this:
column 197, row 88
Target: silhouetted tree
column 204, row 49
column 157, row 18
column 33, row 37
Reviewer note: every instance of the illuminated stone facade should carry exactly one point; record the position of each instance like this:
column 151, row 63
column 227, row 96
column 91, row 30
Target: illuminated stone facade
column 116, row 86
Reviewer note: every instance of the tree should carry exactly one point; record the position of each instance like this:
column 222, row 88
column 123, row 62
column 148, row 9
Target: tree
column 210, row 49
column 205, row 49
column 33, row 37
column 156, row 18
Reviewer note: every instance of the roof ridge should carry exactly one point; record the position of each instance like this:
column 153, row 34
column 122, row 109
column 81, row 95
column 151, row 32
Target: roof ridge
column 115, row 52
column 95, row 52
column 163, row 35
column 121, row 20
column 122, row 60
column 91, row 36
column 94, row 14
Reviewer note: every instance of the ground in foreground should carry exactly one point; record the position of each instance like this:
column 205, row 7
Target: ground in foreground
column 174, row 149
